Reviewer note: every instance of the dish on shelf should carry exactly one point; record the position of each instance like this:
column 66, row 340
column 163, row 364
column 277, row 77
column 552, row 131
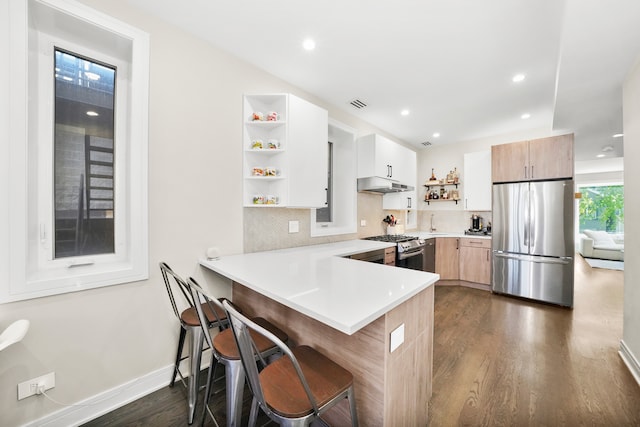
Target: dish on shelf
column 265, row 171
column 257, row 116
column 260, row 199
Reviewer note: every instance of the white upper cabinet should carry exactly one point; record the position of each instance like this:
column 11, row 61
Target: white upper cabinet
column 405, row 200
column 477, row 181
column 285, row 143
column 381, row 157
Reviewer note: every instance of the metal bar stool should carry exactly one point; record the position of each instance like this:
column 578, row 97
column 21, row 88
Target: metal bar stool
column 298, row 387
column 189, row 321
column 225, row 351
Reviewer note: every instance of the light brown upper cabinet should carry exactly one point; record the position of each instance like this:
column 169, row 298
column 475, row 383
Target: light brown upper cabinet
column 538, row 159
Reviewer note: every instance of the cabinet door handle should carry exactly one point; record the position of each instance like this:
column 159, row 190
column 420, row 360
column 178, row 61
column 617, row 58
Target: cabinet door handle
column 531, row 171
column 466, row 203
column 487, row 254
column 525, row 172
column 409, row 202
column 390, row 171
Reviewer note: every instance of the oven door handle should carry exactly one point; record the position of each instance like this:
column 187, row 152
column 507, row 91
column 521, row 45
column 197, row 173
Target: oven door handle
column 405, row 255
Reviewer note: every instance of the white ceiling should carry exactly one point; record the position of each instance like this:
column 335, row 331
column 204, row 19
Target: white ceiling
column 449, row 62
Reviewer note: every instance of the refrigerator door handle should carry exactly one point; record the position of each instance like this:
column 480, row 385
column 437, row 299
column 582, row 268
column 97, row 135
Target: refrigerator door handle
column 526, row 208
column 531, row 258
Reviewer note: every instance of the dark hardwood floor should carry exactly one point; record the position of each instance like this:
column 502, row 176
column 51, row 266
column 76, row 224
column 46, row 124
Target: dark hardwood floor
column 501, row 361
column 498, row 361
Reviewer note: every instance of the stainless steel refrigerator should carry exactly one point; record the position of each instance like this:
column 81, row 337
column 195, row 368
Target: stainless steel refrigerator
column 533, row 244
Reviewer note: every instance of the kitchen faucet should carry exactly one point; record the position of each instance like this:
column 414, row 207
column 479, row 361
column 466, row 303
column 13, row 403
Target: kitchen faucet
column 432, row 227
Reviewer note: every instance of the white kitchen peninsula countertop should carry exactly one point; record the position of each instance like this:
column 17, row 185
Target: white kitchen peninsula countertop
column 315, row 280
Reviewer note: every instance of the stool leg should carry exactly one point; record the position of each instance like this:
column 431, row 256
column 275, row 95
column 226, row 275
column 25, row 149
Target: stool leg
column 352, row 405
column 207, row 395
column 183, row 334
column 234, row 377
column 197, row 338
column 253, row 416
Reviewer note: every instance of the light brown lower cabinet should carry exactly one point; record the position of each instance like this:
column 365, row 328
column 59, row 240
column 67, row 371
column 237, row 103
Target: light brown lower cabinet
column 390, row 256
column 475, row 260
column 447, row 257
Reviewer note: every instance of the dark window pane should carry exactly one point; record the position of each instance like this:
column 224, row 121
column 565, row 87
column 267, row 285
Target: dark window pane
column 326, row 214
column 83, row 156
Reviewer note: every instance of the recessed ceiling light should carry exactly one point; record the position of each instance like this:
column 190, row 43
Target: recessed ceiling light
column 525, row 116
column 600, row 156
column 309, row 44
column 436, row 135
column 518, row 78
column 92, row 113
column 618, row 135
column 405, row 112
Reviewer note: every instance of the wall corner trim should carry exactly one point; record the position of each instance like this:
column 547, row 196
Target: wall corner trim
column 630, row 360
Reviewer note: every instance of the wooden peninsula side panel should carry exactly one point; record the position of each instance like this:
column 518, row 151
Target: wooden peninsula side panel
column 391, row 388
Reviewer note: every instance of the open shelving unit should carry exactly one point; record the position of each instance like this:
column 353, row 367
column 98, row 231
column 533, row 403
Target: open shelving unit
column 443, row 184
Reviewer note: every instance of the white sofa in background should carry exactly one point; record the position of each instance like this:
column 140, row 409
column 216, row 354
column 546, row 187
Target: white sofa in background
column 600, row 244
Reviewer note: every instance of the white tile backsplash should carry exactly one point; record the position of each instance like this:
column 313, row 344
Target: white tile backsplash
column 449, row 221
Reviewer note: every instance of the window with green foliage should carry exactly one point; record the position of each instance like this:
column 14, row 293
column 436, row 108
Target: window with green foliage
column 602, row 208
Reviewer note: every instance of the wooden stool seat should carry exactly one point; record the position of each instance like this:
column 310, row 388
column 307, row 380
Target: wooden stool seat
column 295, row 389
column 190, row 315
column 225, row 342
column 283, row 391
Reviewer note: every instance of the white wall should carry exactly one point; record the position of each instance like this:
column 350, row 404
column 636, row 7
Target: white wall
column 631, row 122
column 99, row 339
column 448, row 216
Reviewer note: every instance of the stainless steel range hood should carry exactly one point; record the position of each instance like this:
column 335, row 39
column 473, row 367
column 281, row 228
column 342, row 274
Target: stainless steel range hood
column 374, row 184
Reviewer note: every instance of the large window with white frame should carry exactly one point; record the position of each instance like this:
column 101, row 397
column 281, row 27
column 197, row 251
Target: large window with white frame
column 79, row 190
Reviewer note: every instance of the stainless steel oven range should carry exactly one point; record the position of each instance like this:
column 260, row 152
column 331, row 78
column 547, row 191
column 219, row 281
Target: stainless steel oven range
column 409, row 249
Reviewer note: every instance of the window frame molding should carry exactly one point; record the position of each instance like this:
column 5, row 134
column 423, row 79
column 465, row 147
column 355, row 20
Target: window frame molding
column 130, row 262
column 344, row 194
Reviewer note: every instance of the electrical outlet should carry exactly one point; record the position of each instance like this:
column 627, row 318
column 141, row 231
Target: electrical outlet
column 294, row 226
column 363, row 223
column 31, row 387
column 397, row 338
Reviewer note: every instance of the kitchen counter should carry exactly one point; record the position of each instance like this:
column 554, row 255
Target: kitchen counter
column 348, row 310
column 317, row 282
column 429, row 235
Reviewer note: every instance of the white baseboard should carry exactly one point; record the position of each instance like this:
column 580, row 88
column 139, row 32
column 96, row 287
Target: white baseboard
column 100, row 404
column 95, row 406
column 630, row 360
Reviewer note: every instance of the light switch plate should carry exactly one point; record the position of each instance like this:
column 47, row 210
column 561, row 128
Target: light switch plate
column 294, row 226
column 363, row 223
column 397, row 338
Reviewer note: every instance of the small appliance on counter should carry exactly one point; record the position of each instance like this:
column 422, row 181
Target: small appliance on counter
column 477, row 228
column 476, row 223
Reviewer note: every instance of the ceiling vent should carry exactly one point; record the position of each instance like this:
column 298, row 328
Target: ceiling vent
column 358, row 104
column 426, row 143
